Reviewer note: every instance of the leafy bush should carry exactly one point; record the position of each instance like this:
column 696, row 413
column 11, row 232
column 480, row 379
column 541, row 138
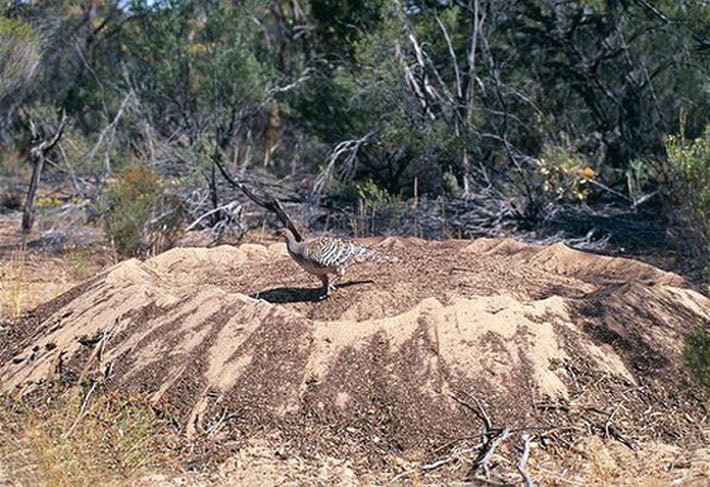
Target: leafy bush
column 372, row 196
column 19, row 54
column 688, row 189
column 697, row 354
column 564, row 174
column 140, row 216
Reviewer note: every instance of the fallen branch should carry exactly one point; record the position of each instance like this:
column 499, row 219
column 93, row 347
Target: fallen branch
column 489, row 448
column 523, row 460
column 477, row 409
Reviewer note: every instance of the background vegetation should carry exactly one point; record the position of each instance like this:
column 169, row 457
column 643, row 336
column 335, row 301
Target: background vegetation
column 489, row 116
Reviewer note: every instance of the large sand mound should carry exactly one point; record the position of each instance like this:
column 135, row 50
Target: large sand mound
column 232, row 341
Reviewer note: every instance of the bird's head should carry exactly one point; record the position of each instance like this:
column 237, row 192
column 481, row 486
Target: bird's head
column 283, row 234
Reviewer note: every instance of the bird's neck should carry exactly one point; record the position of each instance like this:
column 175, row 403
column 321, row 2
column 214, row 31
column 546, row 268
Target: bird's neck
column 291, row 242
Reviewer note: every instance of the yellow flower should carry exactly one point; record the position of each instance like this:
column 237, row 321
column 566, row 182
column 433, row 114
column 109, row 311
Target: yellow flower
column 588, row 173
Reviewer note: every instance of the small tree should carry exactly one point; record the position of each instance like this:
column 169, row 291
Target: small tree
column 19, row 60
column 37, row 156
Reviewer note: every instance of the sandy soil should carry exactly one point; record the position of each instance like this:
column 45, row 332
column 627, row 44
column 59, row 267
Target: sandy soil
column 396, row 371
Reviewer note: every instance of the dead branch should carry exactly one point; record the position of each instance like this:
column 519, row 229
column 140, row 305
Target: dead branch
column 495, row 436
column 267, row 202
column 523, row 460
column 349, row 147
column 38, row 154
column 229, row 206
column 478, row 410
column 111, row 126
column 489, row 448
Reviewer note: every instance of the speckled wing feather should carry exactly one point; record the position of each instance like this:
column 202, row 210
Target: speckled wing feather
column 336, row 252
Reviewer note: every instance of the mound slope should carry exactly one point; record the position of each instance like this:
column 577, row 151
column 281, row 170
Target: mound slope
column 231, row 341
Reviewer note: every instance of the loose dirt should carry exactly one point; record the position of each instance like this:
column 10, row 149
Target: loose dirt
column 234, row 344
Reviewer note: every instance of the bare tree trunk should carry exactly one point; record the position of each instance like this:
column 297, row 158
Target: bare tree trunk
column 214, row 197
column 469, row 100
column 28, row 212
column 38, row 154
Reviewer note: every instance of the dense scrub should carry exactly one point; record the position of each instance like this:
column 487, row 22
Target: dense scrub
column 358, row 106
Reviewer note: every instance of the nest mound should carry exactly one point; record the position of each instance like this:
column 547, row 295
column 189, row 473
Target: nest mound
column 233, row 342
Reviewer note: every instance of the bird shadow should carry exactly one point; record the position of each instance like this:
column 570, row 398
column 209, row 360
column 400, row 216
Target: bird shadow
column 282, row 295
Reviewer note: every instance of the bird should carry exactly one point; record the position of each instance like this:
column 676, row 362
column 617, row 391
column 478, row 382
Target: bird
column 323, row 255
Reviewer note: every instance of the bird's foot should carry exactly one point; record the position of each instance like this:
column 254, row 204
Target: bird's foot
column 327, row 290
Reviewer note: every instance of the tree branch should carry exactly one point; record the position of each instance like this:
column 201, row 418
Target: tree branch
column 267, row 202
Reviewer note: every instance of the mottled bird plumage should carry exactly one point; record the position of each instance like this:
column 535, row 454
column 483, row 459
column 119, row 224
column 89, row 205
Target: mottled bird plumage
column 325, row 255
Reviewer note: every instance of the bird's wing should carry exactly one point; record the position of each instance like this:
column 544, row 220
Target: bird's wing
column 335, row 252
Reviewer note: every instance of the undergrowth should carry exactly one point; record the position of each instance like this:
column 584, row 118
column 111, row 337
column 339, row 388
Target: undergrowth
column 13, row 285
column 140, row 218
column 70, row 438
column 688, row 191
column 697, row 354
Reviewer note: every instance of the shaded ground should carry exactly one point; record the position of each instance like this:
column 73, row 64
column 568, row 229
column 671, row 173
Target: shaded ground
column 394, row 370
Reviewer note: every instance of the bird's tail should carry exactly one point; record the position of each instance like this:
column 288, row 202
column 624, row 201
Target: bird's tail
column 366, row 253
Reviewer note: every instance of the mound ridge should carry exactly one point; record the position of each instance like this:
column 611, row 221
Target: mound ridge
column 232, row 341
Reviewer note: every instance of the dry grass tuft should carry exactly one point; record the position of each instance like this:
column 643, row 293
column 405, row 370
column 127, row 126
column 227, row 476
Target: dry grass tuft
column 29, row 278
column 66, row 439
column 13, row 286
column 594, row 462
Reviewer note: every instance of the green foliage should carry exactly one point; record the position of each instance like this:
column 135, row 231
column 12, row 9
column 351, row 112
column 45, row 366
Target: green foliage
column 373, row 93
column 363, row 193
column 140, row 217
column 564, row 174
column 688, row 188
column 697, row 354
column 340, row 23
column 439, row 97
column 372, row 196
column 198, row 58
column 19, row 55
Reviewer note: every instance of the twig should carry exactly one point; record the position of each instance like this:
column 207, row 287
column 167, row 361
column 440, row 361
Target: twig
column 437, row 464
column 81, row 412
column 523, row 460
column 401, row 475
column 477, row 410
column 484, row 457
column 228, row 206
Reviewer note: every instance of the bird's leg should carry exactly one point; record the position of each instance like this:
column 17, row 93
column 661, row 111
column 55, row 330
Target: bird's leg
column 341, row 273
column 328, row 286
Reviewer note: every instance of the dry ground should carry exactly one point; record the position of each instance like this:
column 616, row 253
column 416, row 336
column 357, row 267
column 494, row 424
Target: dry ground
column 261, row 383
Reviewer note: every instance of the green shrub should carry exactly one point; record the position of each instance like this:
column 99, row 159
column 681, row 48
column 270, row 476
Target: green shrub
column 19, row 54
column 563, row 173
column 140, row 217
column 370, row 195
column 697, row 354
column 688, row 189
